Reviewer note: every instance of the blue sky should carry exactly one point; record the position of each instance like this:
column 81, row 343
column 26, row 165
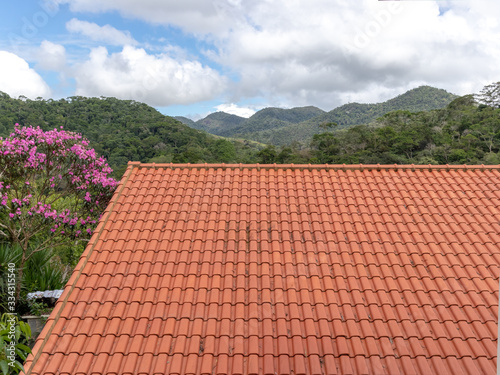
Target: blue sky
column 195, row 57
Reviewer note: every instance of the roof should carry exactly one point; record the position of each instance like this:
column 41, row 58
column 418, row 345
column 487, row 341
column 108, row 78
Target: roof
column 279, row 269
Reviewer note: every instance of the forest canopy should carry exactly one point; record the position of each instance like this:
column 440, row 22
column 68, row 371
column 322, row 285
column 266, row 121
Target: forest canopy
column 464, row 132
column 123, row 130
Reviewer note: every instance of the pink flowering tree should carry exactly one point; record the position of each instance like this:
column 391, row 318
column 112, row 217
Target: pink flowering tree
column 53, row 190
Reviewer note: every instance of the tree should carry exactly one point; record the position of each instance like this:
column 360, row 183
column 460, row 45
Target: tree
column 325, row 147
column 267, row 155
column 53, row 189
column 326, row 126
column 490, row 95
column 223, row 151
column 489, row 132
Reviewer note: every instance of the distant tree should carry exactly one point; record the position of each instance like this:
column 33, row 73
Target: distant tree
column 267, row 155
column 326, row 126
column 223, row 151
column 285, row 156
column 53, row 189
column 490, row 95
column 325, row 147
column 489, row 132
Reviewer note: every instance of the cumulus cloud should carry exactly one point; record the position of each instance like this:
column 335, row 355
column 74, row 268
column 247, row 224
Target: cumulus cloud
column 51, row 56
column 157, row 80
column 197, row 16
column 106, row 33
column 234, row 109
column 328, row 50
column 17, row 78
column 323, row 52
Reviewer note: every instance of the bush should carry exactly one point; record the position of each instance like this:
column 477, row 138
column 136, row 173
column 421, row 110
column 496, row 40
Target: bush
column 14, row 338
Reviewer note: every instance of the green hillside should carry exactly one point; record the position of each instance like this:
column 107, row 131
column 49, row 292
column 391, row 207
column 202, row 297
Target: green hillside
column 464, row 132
column 275, row 130
column 185, row 121
column 227, row 125
column 461, row 133
column 124, row 130
column 219, row 123
column 274, row 118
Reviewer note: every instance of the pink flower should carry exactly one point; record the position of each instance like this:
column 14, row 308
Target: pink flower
column 44, row 157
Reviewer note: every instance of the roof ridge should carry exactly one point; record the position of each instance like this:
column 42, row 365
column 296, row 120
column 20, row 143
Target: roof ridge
column 319, row 166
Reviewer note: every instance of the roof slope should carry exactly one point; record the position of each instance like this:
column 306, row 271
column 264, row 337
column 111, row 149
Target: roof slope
column 213, row 269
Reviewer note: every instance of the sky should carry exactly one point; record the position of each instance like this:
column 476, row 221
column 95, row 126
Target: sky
column 194, row 57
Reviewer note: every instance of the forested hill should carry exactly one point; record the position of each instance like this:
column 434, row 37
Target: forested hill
column 217, row 122
column 227, row 125
column 123, row 130
column 461, row 133
column 273, row 119
column 300, row 124
column 423, row 98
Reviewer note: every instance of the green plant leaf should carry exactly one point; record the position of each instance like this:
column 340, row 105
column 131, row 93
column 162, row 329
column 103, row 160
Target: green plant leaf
column 21, row 354
column 26, row 329
column 18, row 332
column 26, row 348
column 4, row 366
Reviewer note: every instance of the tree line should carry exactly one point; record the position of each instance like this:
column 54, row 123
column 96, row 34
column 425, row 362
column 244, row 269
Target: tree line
column 467, row 131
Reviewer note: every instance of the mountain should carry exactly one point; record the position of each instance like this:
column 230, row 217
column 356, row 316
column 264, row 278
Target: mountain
column 217, row 123
column 283, row 126
column 423, row 98
column 274, row 118
column 185, row 121
column 227, row 125
column 124, row 130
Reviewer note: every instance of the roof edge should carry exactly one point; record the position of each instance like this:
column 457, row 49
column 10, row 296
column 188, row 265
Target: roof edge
column 77, row 272
column 317, row 166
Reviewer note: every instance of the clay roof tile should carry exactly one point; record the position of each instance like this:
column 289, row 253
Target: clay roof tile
column 267, row 269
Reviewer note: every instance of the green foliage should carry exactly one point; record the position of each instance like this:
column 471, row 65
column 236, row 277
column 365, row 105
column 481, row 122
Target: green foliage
column 224, row 151
column 490, row 95
column 269, row 121
column 401, row 130
column 14, row 338
column 43, row 271
column 122, row 130
column 218, row 123
column 286, row 155
column 461, row 133
column 39, row 308
column 267, row 155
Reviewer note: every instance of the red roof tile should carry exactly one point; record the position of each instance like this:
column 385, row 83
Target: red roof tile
column 252, row 269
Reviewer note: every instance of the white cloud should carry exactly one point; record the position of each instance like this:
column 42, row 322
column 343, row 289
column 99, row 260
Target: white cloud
column 323, row 52
column 234, row 109
column 106, row 33
column 51, row 56
column 198, row 16
column 17, row 78
column 157, row 80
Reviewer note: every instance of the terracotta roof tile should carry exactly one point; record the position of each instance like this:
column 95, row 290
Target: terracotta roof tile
column 252, row 269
